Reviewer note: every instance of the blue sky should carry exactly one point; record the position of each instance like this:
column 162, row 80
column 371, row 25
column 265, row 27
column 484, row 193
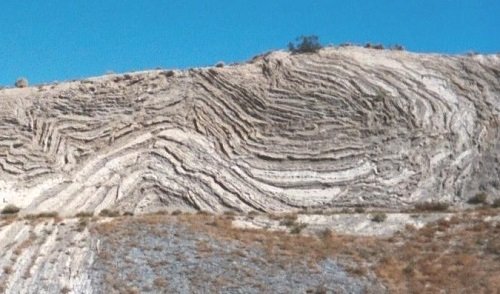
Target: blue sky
column 68, row 39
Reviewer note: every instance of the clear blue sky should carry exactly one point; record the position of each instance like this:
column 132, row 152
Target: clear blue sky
column 66, row 39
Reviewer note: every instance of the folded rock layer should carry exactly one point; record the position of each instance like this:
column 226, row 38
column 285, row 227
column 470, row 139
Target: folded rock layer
column 343, row 127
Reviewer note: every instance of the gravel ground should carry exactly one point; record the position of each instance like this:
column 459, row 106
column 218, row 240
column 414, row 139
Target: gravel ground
column 169, row 258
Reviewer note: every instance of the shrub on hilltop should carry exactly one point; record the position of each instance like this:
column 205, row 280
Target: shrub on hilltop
column 305, row 44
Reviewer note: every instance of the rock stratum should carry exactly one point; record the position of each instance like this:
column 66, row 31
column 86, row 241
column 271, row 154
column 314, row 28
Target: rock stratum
column 340, row 128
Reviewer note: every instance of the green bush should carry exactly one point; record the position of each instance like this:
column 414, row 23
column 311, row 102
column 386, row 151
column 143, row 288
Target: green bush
column 10, row 209
column 305, row 44
column 379, row 217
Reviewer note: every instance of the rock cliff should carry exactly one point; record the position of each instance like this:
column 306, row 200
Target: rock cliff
column 343, row 127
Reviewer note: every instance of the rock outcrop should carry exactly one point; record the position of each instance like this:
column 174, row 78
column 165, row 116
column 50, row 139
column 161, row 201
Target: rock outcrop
column 343, row 127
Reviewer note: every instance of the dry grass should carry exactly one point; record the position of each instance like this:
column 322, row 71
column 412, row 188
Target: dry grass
column 447, row 255
column 287, row 220
column 457, row 255
column 160, row 283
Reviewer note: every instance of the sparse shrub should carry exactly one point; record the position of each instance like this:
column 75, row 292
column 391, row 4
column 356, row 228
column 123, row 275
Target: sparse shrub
column 397, row 47
column 176, row 212
column 109, row 213
column 432, row 206
column 161, row 212
column 297, row 228
column 219, row 64
column 305, row 44
column 496, row 203
column 253, row 213
column 479, row 198
column 21, row 83
column 168, row 73
column 379, row 217
column 230, row 215
column 288, row 220
column 84, row 214
column 325, row 234
column 409, row 268
column 128, row 213
column 48, row 214
column 82, row 224
column 345, row 210
column 160, row 283
column 7, row 270
column 321, row 289
column 359, row 209
column 10, row 209
column 374, row 46
column 493, row 245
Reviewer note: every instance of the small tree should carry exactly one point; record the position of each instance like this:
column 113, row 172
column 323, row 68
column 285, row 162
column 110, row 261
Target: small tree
column 305, row 44
column 21, row 83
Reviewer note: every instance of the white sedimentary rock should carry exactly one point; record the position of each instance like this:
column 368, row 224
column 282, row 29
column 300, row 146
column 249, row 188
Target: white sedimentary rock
column 344, row 126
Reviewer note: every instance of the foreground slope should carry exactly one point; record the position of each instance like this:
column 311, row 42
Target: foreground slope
column 344, row 127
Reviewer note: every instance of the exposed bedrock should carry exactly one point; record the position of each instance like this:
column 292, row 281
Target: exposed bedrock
column 343, row 127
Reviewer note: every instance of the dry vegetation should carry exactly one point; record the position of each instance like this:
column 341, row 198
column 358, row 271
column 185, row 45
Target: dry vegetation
column 431, row 206
column 10, row 209
column 460, row 254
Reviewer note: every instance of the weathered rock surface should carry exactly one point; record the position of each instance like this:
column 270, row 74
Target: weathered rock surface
column 343, row 127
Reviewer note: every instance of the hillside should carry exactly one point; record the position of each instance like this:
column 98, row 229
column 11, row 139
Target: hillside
column 308, row 173
column 345, row 127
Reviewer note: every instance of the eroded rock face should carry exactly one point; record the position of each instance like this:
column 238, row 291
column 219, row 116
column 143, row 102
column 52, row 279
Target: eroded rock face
column 338, row 128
